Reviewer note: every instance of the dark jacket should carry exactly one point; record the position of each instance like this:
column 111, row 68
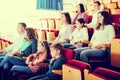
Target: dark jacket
column 32, row 48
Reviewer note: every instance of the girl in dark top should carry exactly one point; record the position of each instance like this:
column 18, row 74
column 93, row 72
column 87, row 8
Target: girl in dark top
column 55, row 64
column 28, row 49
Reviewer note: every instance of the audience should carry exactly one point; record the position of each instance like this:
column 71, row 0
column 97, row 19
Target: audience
column 104, row 33
column 18, row 41
column 55, row 64
column 33, row 61
column 26, row 50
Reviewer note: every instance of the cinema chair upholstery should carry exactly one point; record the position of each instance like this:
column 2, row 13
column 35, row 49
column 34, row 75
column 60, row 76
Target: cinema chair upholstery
column 104, row 74
column 74, row 70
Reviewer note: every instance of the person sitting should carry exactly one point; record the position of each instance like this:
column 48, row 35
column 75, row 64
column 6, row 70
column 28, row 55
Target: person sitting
column 32, row 61
column 55, row 64
column 80, row 14
column 93, row 23
column 100, row 41
column 17, row 43
column 78, row 36
column 26, row 50
column 66, row 28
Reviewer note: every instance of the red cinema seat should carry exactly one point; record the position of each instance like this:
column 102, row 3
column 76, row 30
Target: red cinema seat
column 74, row 70
column 106, row 74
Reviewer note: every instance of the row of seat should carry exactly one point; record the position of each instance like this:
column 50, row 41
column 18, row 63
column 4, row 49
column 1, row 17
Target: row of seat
column 77, row 70
column 4, row 43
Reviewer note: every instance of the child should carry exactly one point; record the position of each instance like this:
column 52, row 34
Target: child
column 55, row 64
column 33, row 60
column 78, row 36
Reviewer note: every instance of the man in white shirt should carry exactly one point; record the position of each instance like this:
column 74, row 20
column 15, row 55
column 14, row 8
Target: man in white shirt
column 18, row 42
column 93, row 23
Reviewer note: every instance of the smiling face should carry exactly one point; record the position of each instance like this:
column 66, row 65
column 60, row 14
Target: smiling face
column 96, row 6
column 40, row 47
column 78, row 25
column 78, row 8
column 100, row 18
column 63, row 18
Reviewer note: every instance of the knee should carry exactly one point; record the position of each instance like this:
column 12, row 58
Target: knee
column 6, row 66
column 13, row 69
column 83, row 54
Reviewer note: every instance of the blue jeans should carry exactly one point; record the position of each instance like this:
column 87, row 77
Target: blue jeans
column 87, row 52
column 66, row 44
column 78, row 51
column 12, row 60
column 22, row 69
column 40, row 77
column 2, row 55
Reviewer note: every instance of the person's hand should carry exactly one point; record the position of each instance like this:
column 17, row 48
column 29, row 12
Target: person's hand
column 52, row 60
column 99, row 46
column 90, row 44
column 9, row 54
column 67, row 39
column 2, row 51
column 17, row 52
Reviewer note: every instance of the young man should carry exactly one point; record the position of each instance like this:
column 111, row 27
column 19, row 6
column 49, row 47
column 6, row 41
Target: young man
column 55, row 64
column 96, row 6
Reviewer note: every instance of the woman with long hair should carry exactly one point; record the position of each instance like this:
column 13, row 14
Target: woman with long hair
column 100, row 41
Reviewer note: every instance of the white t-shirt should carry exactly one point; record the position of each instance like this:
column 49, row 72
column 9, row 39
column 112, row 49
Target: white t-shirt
column 65, row 31
column 103, row 36
column 78, row 35
column 94, row 20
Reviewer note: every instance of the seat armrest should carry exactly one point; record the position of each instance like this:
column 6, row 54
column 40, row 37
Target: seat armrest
column 59, row 72
column 86, row 42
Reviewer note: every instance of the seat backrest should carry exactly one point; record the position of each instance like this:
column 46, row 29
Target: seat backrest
column 74, row 70
column 68, row 54
column 90, row 33
column 115, row 18
column 117, row 36
column 79, row 64
column 114, row 75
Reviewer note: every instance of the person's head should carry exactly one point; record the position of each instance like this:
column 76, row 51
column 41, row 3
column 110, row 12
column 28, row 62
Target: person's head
column 104, row 18
column 43, row 46
column 80, row 8
column 21, row 27
column 65, row 18
column 56, row 50
column 80, row 23
column 29, row 33
column 96, row 5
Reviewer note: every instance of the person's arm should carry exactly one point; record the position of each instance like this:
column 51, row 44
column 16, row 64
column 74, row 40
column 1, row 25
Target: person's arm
column 9, row 48
column 94, row 21
column 85, row 17
column 71, row 35
column 34, row 46
column 111, row 32
column 75, row 18
column 41, row 59
column 69, row 31
column 58, row 64
column 28, row 60
column 84, row 37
